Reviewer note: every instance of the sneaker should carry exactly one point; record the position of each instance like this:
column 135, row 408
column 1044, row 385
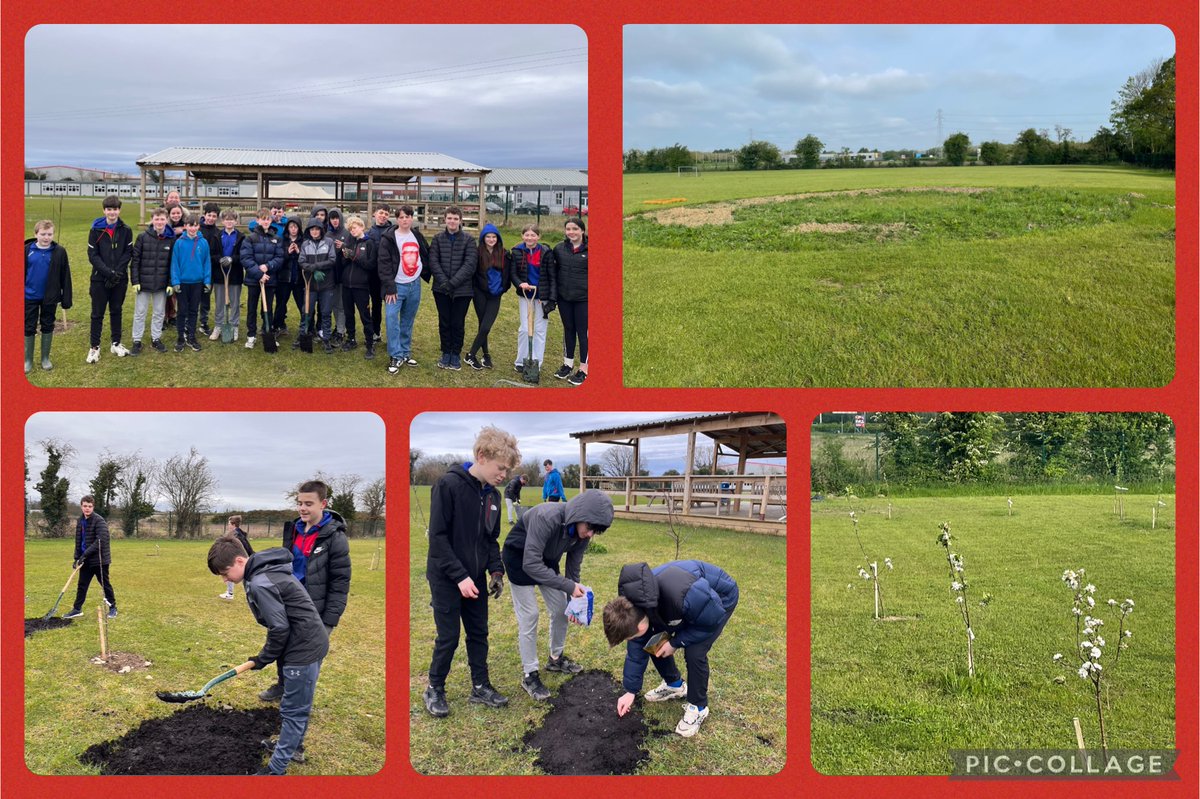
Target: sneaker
column 577, row 378
column 158, row 345
column 455, row 362
column 179, row 345
column 534, row 687
column 693, row 717
column 195, row 345
column 444, row 362
column 204, row 331
column 281, row 331
column 265, row 771
column 369, row 352
column 473, row 362
column 393, row 365
column 487, row 695
column 563, row 665
column 215, row 334
column 378, row 337
column 435, row 702
column 327, row 346
column 487, row 361
column 225, row 596
column 408, row 360
column 349, row 344
column 518, row 367
column 93, row 355
column 563, row 372
column 297, row 757
column 112, row 613
column 664, row 692
column 118, row 349
column 73, row 613
column 272, row 694
column 250, row 342
column 137, row 348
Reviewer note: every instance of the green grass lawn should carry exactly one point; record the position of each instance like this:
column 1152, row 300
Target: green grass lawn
column 1053, row 276
column 892, row 697
column 231, row 364
column 170, row 614
column 747, row 730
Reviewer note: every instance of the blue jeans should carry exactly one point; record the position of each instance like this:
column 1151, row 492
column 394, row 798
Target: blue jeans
column 299, row 685
column 400, row 315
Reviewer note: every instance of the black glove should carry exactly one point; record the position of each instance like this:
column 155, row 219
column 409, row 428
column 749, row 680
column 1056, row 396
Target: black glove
column 496, row 585
column 77, row 563
column 207, row 288
column 547, row 307
column 258, row 664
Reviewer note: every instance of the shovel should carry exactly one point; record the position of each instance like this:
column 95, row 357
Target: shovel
column 188, row 696
column 50, row 612
column 269, row 342
column 306, row 323
column 227, row 325
column 531, row 370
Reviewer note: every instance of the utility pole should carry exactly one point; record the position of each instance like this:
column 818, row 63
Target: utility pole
column 940, row 138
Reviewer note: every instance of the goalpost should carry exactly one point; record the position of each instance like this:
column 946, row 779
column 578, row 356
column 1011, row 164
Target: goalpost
column 689, row 171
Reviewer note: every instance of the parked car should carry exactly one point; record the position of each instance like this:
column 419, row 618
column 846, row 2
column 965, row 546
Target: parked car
column 494, row 208
column 530, row 208
column 575, row 210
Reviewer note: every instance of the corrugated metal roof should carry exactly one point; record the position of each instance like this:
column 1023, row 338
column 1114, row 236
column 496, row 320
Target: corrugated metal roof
column 549, row 178
column 659, row 422
column 302, row 159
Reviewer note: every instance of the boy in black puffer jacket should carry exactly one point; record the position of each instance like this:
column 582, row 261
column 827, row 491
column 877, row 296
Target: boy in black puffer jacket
column 452, row 261
column 110, row 249
column 320, row 560
column 150, row 274
column 93, row 556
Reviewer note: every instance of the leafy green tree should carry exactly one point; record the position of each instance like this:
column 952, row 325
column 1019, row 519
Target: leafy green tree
column 54, row 488
column 954, row 149
column 759, row 155
column 993, row 153
column 1047, row 445
column 1143, row 115
column 808, row 150
column 1105, row 145
column 104, row 485
column 965, row 445
column 1032, row 147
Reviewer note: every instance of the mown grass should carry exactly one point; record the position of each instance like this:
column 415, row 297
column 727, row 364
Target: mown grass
column 893, row 697
column 170, row 614
column 220, row 365
column 747, row 731
column 1055, row 277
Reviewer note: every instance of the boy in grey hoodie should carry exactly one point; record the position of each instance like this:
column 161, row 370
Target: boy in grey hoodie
column 318, row 257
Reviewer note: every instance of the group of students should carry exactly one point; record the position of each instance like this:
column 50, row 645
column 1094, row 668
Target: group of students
column 184, row 264
column 297, row 591
column 689, row 602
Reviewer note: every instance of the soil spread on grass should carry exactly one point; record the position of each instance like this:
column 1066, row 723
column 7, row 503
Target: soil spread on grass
column 122, row 662
column 198, row 740
column 582, row 734
column 39, row 625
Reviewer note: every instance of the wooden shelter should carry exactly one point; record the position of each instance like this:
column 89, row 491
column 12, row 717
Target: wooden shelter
column 741, row 501
column 360, row 180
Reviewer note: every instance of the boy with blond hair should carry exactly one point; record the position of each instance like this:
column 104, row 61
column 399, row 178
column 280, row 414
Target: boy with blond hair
column 47, row 284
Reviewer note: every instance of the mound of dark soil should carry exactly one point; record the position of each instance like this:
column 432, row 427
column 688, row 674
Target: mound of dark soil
column 582, row 734
column 39, row 624
column 198, row 740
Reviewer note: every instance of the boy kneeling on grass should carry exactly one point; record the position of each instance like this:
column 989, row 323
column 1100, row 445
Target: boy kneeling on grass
column 295, row 635
column 690, row 601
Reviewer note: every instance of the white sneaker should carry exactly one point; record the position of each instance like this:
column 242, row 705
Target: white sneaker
column 225, row 596
column 249, row 342
column 664, row 692
column 216, row 334
column 93, row 355
column 693, row 717
column 117, row 349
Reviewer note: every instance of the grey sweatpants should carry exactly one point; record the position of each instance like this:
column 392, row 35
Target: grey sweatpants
column 524, row 599
column 156, row 303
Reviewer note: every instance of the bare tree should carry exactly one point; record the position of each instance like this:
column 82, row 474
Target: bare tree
column 374, row 500
column 137, row 491
column 342, row 491
column 189, row 484
column 704, row 459
column 617, row 461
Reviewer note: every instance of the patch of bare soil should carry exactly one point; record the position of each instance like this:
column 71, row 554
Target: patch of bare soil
column 123, row 662
column 39, row 624
column 583, row 734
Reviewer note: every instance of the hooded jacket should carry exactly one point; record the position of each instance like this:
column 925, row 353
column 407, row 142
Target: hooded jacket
column 339, row 235
column 96, row 551
column 570, row 268
column 289, row 271
column 464, row 530
column 541, row 277
column 358, row 267
column 688, row 598
column 151, row 264
column 552, row 486
column 388, row 257
column 110, row 251
column 318, row 255
column 58, row 280
column 453, row 260
column 327, row 574
column 190, row 261
column 491, row 280
column 295, row 634
column 545, row 533
column 261, row 247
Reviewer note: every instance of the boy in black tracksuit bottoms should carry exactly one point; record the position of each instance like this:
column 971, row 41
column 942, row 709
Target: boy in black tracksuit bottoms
column 91, row 550
column 321, row 561
column 296, row 639
column 464, row 553
column 110, row 249
column 47, row 283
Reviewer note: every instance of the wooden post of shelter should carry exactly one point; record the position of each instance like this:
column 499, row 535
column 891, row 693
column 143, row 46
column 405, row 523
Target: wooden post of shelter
column 766, row 497
column 142, row 200
column 370, row 194
column 259, row 194
column 635, row 468
column 741, row 469
column 582, row 465
column 687, row 470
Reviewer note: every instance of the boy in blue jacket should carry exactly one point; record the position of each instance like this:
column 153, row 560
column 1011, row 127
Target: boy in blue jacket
column 47, row 283
column 691, row 601
column 552, row 487
column 191, row 276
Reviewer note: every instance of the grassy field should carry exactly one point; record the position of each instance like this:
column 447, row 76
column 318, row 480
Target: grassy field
column 747, row 731
column 170, row 614
column 893, row 697
column 231, row 364
column 971, row 276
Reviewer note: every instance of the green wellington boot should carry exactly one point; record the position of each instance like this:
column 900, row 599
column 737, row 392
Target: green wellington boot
column 47, row 338
column 28, row 354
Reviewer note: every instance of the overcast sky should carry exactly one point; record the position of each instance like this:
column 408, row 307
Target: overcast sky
column 493, row 95
column 879, row 87
column 256, row 457
column 548, row 435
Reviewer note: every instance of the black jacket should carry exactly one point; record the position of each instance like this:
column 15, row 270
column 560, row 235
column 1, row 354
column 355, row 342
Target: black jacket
column 289, row 272
column 151, row 264
column 261, row 248
column 212, row 234
column 570, row 269
column 295, row 634
column 327, row 578
column 546, row 532
column 358, row 267
column 58, row 281
column 464, row 530
column 520, row 272
column 388, row 257
column 96, row 553
column 241, row 536
column 513, row 489
column 452, row 262
column 110, row 255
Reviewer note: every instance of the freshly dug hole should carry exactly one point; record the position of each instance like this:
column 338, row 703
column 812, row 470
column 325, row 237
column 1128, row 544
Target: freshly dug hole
column 582, row 734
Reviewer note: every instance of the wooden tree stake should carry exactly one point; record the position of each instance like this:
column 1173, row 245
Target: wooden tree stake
column 1079, row 734
column 100, row 620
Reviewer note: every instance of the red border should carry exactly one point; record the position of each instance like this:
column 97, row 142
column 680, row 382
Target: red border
column 603, row 24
